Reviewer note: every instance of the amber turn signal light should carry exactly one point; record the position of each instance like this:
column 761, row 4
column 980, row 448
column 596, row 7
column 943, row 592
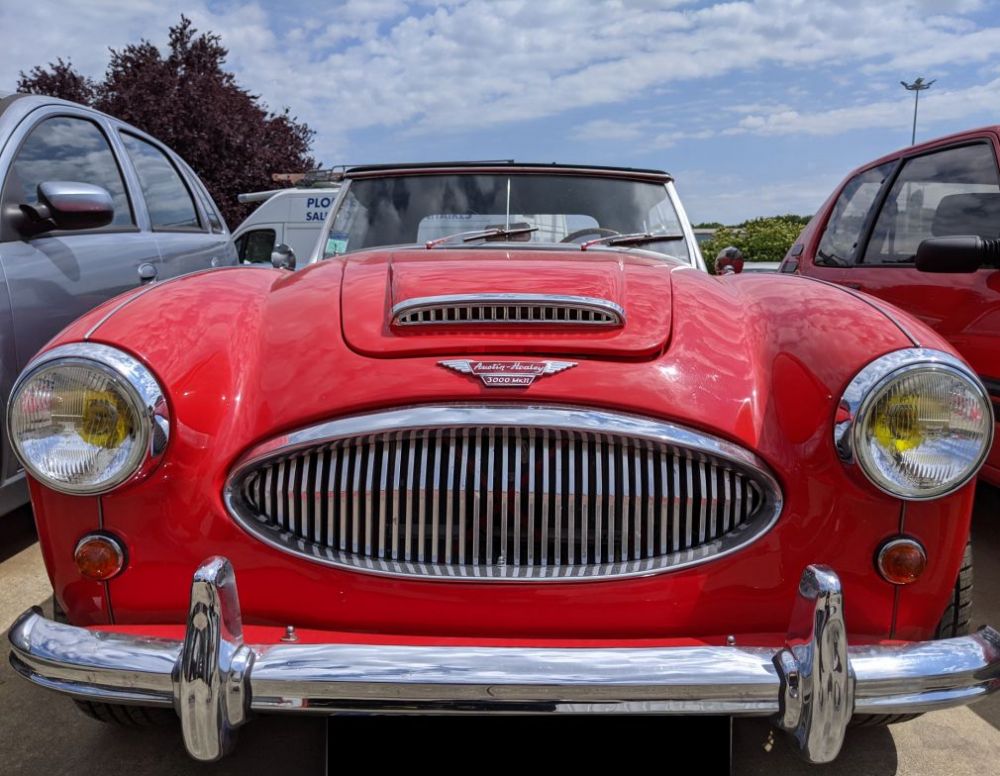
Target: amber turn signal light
column 99, row 557
column 901, row 561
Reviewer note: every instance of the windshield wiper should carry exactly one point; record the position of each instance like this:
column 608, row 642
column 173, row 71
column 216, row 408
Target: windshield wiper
column 636, row 238
column 480, row 234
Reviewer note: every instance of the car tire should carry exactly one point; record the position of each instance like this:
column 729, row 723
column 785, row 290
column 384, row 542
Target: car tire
column 127, row 716
column 955, row 621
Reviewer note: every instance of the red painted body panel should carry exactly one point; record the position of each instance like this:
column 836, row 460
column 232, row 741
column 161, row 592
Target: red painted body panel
column 757, row 360
column 962, row 308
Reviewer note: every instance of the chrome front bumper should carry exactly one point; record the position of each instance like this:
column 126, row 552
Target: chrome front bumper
column 811, row 687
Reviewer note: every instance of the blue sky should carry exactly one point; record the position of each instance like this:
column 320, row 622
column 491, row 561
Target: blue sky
column 757, row 108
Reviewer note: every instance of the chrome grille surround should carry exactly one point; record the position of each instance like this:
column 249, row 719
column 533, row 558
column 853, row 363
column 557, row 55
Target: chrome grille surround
column 507, row 310
column 390, row 481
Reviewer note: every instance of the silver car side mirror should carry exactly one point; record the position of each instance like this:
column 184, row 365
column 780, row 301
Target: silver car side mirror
column 283, row 257
column 67, row 205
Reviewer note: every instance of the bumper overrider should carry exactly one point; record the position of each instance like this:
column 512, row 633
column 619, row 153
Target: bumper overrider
column 214, row 681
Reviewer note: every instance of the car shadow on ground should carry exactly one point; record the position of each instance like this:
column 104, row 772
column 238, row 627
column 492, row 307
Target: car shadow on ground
column 986, row 580
column 758, row 748
column 17, row 531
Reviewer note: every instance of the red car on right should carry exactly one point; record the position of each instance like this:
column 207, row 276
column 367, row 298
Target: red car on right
column 920, row 229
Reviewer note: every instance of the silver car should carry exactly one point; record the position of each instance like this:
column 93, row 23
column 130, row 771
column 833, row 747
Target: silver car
column 90, row 207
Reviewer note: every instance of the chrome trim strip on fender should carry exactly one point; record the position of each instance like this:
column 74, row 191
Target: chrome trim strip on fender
column 813, row 685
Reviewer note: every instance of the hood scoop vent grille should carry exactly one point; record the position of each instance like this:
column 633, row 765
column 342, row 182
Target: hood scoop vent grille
column 508, row 310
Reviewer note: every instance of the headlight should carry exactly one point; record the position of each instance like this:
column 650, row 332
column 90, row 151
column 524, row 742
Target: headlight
column 918, row 422
column 84, row 418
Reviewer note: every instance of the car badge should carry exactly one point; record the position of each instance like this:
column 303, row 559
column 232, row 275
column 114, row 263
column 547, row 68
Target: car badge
column 507, row 374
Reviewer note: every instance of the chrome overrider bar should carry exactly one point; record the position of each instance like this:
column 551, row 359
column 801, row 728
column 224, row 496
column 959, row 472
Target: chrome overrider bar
column 811, row 687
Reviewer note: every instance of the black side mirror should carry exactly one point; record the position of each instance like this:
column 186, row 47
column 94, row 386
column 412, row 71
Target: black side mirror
column 283, row 257
column 961, row 253
column 67, row 205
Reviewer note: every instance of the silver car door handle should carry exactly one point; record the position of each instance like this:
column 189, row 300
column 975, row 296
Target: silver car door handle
column 147, row 272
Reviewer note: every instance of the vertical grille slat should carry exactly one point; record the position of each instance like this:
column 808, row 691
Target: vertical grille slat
column 702, row 502
column 501, row 556
column 345, row 459
column 689, row 504
column 557, row 499
column 504, row 501
column 531, row 496
column 490, row 492
column 571, row 509
column 598, row 496
column 449, row 495
column 462, row 491
column 545, row 499
column 422, row 488
column 584, row 500
column 396, row 493
column 611, row 503
column 626, row 500
column 383, row 496
column 475, row 485
column 517, row 513
column 408, row 503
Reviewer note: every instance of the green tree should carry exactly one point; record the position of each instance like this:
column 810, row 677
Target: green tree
column 188, row 100
column 760, row 239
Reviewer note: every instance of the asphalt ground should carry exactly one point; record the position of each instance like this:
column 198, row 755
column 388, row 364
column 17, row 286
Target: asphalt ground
column 42, row 733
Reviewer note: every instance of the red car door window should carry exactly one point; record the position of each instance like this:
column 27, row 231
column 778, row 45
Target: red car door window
column 950, row 192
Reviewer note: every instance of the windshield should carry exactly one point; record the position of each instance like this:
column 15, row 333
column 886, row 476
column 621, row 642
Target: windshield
column 543, row 209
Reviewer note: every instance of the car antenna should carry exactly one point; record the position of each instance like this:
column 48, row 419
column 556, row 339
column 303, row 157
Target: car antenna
column 506, row 226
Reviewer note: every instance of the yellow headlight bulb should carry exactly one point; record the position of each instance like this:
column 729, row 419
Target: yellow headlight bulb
column 896, row 422
column 105, row 420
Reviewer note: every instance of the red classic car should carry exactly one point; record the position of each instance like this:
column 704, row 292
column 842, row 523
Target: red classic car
column 919, row 228
column 530, row 457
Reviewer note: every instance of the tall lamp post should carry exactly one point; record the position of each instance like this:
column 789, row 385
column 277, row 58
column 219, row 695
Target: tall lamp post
column 919, row 85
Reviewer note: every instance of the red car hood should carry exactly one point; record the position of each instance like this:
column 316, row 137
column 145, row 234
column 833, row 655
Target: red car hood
column 376, row 282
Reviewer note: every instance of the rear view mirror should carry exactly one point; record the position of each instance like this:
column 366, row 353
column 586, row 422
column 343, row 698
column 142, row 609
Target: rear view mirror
column 68, row 205
column 962, row 253
column 283, row 257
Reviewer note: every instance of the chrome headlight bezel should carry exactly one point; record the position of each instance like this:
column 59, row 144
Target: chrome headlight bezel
column 866, row 387
column 138, row 387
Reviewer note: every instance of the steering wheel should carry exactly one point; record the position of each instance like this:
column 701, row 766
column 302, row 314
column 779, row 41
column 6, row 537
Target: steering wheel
column 598, row 230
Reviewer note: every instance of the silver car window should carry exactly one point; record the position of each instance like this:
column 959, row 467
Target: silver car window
column 168, row 200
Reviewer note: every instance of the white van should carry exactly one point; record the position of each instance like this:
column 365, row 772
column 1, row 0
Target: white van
column 292, row 217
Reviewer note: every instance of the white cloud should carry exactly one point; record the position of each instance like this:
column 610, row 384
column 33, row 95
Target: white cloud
column 731, row 198
column 935, row 106
column 609, row 129
column 456, row 65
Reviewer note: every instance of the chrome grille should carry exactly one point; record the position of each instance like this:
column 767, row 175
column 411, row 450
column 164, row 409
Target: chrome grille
column 508, row 501
column 507, row 309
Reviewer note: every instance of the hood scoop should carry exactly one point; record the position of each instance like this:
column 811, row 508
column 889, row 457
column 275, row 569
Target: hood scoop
column 489, row 310
column 481, row 302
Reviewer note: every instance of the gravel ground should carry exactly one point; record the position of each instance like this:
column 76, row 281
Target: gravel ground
column 44, row 734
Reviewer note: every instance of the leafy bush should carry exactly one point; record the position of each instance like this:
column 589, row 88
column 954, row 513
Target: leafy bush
column 760, row 239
